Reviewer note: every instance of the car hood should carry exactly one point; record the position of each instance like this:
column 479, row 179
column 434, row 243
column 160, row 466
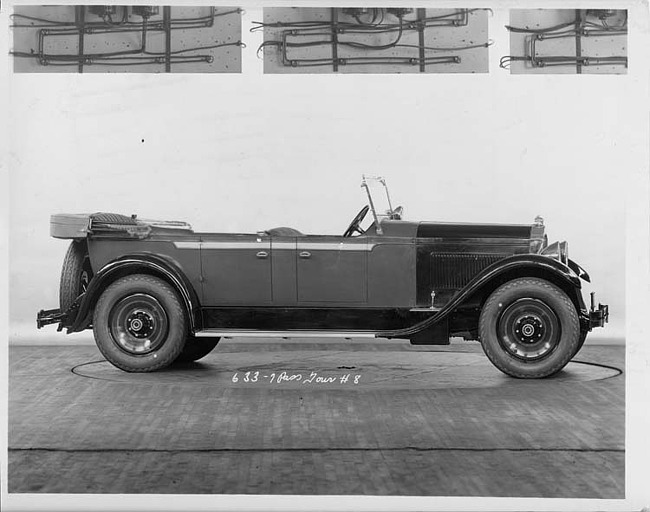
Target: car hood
column 454, row 230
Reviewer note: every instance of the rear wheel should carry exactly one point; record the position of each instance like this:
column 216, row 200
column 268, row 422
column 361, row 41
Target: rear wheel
column 196, row 348
column 75, row 274
column 140, row 324
column 529, row 328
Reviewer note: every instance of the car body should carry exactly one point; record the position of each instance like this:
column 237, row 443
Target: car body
column 421, row 281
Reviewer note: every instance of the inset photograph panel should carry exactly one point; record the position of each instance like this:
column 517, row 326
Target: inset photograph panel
column 375, row 40
column 119, row 39
column 567, row 41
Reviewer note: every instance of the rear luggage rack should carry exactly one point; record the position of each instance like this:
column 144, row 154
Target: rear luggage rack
column 50, row 316
column 65, row 318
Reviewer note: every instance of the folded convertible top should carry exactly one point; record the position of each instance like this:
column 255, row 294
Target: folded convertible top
column 83, row 225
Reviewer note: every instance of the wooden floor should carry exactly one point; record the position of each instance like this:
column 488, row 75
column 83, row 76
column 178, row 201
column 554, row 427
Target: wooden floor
column 419, row 421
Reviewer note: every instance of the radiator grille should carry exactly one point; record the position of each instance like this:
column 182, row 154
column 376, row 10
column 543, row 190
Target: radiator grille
column 453, row 271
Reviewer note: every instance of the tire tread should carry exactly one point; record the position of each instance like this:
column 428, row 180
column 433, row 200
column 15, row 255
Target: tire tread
column 196, row 348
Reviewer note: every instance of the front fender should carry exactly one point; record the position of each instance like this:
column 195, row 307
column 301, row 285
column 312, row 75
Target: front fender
column 524, row 265
column 139, row 263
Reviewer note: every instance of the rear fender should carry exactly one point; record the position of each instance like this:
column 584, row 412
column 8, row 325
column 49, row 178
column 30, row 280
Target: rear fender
column 484, row 283
column 145, row 263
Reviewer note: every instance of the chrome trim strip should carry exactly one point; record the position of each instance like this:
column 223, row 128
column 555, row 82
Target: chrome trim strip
column 315, row 246
column 223, row 245
column 187, row 245
column 266, row 244
column 284, row 245
column 242, row 333
column 237, row 245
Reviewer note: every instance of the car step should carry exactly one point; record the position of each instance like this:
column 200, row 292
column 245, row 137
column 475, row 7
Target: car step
column 242, row 333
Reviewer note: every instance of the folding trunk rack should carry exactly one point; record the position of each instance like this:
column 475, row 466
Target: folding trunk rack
column 82, row 29
column 341, row 35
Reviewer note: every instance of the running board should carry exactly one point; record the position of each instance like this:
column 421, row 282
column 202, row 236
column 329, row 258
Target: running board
column 242, row 333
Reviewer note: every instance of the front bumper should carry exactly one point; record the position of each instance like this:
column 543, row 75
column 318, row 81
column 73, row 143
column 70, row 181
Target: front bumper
column 598, row 317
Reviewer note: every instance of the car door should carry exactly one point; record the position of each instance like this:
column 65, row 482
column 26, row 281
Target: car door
column 236, row 270
column 283, row 270
column 332, row 270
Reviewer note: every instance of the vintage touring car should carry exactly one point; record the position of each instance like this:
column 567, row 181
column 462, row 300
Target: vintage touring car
column 157, row 292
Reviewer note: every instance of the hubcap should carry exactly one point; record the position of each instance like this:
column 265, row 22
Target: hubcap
column 138, row 324
column 528, row 329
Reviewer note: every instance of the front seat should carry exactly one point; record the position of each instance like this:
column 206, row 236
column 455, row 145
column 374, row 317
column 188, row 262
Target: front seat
column 283, row 231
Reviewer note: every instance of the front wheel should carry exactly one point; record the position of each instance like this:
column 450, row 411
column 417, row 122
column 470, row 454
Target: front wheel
column 529, row 328
column 140, row 324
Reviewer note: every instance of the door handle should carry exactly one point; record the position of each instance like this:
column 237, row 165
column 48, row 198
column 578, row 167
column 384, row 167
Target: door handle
column 262, row 254
column 305, row 254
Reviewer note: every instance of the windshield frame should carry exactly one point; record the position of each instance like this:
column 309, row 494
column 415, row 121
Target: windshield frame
column 378, row 216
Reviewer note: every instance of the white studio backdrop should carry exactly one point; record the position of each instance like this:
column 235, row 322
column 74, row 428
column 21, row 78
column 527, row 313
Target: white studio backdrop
column 251, row 151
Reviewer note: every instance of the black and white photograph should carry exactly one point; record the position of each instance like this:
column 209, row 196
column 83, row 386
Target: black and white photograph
column 120, row 39
column 374, row 40
column 562, row 41
column 379, row 285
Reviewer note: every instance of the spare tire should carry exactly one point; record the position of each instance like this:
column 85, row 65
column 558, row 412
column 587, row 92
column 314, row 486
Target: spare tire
column 100, row 220
column 75, row 274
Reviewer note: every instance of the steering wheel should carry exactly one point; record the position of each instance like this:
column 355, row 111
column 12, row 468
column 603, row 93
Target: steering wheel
column 358, row 219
